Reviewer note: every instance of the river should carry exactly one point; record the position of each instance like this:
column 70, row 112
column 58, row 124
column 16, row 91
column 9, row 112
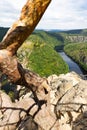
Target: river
column 72, row 65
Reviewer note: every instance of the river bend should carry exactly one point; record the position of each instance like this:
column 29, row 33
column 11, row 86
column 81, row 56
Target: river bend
column 72, row 65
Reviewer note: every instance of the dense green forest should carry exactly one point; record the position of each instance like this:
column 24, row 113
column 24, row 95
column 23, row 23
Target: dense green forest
column 40, row 54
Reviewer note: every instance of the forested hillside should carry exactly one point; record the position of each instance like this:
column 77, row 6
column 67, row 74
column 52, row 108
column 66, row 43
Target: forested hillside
column 74, row 43
column 71, row 36
column 78, row 52
column 40, row 55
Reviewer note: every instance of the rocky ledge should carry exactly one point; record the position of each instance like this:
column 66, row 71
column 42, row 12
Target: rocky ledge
column 69, row 98
column 65, row 109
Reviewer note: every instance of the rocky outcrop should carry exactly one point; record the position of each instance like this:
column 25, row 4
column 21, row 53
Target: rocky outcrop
column 69, row 97
column 64, row 107
column 77, row 38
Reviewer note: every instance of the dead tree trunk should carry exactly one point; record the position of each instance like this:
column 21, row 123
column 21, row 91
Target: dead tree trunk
column 10, row 66
column 30, row 16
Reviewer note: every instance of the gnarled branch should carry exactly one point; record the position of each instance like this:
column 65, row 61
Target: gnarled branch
column 30, row 16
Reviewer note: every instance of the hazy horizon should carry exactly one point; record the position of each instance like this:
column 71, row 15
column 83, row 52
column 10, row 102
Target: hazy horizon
column 52, row 29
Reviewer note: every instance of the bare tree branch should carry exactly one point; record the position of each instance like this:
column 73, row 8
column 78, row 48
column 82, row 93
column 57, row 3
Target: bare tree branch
column 30, row 16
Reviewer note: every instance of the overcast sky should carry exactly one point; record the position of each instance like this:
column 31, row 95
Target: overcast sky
column 61, row 14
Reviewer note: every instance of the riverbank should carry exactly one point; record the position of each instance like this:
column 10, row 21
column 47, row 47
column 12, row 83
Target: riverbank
column 73, row 66
column 78, row 52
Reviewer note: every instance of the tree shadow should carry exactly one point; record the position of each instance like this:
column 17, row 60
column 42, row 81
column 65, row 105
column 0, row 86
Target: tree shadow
column 27, row 122
column 80, row 122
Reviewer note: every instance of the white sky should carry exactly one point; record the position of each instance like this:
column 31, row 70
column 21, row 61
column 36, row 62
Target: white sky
column 61, row 14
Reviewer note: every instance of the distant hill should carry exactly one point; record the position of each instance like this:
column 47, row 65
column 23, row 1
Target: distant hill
column 74, row 31
column 70, row 36
column 53, row 30
column 77, row 31
column 3, row 32
column 62, row 36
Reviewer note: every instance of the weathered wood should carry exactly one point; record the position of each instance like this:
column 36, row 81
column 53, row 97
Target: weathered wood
column 18, row 75
column 21, row 29
column 30, row 16
column 37, row 106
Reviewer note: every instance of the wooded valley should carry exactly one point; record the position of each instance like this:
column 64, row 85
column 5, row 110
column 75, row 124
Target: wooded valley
column 41, row 50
